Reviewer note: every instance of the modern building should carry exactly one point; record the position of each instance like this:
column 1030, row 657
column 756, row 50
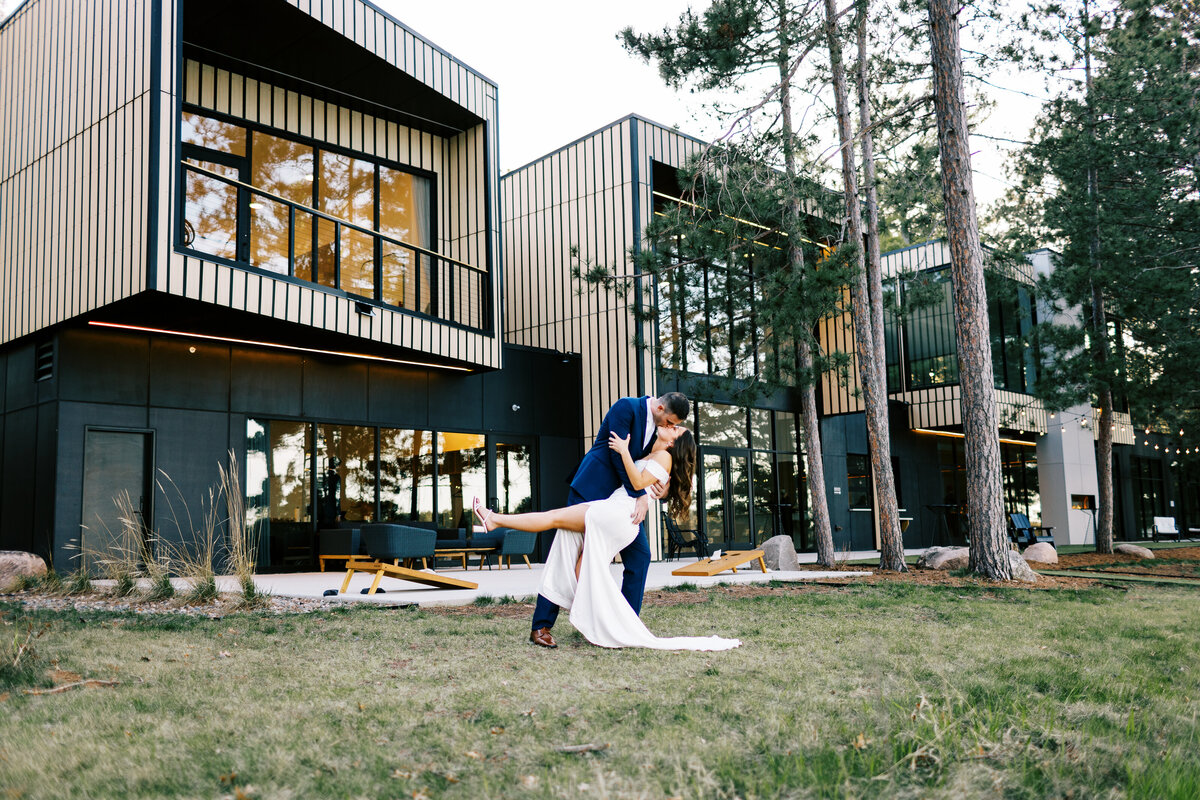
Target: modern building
column 284, row 244
column 279, row 239
column 589, row 203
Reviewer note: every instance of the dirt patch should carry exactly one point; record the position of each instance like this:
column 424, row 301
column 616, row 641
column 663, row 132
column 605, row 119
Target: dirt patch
column 1124, row 563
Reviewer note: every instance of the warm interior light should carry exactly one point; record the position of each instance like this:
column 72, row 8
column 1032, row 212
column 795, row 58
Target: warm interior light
column 954, row 435
column 276, row 346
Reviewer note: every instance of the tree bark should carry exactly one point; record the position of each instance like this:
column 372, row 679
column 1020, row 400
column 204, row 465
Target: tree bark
column 891, row 537
column 985, row 506
column 870, row 368
column 810, row 429
column 1099, row 337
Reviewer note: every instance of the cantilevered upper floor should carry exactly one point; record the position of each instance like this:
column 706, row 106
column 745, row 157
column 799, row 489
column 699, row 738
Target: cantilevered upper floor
column 302, row 169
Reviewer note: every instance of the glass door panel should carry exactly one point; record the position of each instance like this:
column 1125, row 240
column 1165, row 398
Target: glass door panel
column 714, row 499
column 462, row 476
column 766, row 503
column 346, row 474
column 210, row 211
column 405, row 475
column 514, row 478
column 739, row 534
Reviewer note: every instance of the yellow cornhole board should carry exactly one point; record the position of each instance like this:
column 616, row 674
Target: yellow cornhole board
column 403, row 573
column 730, row 560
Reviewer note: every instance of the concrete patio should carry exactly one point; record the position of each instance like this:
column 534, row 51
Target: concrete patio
column 519, row 582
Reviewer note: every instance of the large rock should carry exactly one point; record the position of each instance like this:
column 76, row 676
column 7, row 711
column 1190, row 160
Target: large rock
column 944, row 558
column 1133, row 550
column 1021, row 571
column 1042, row 552
column 780, row 553
column 14, row 563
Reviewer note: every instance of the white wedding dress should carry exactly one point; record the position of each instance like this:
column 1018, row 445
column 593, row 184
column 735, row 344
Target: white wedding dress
column 598, row 609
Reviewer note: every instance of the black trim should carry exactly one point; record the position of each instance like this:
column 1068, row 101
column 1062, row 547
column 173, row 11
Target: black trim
column 152, row 177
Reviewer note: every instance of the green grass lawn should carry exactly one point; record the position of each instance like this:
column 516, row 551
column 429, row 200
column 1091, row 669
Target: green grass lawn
column 868, row 691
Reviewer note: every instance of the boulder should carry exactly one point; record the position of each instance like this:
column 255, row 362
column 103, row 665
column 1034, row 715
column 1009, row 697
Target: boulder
column 15, row 563
column 944, row 558
column 780, row 553
column 1133, row 550
column 1021, row 571
column 1042, row 552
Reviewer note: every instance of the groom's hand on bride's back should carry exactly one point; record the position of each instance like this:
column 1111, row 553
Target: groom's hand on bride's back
column 640, row 507
column 657, row 490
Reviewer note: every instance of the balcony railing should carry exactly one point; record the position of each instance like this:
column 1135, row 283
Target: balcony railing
column 238, row 223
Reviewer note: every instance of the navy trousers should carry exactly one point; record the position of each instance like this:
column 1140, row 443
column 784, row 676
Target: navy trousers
column 635, row 559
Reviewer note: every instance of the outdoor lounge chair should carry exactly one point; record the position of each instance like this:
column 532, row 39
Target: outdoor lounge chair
column 397, row 543
column 1164, row 527
column 1025, row 533
column 515, row 543
column 339, row 544
column 676, row 543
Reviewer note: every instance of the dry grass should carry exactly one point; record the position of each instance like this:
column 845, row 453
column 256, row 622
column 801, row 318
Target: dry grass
column 871, row 691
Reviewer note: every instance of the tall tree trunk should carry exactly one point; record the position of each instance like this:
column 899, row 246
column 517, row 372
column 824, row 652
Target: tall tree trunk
column 811, row 428
column 870, row 369
column 1099, row 337
column 890, row 536
column 814, row 461
column 985, row 506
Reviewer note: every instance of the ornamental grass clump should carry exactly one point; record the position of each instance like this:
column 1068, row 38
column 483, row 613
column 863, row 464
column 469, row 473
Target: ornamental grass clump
column 242, row 542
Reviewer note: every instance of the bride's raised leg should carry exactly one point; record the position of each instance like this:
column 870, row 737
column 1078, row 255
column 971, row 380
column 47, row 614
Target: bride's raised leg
column 570, row 518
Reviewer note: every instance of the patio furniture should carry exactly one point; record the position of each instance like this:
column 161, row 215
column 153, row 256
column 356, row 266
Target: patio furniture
column 677, row 542
column 1165, row 527
column 1024, row 532
column 395, row 543
column 514, row 543
column 730, row 560
column 339, row 544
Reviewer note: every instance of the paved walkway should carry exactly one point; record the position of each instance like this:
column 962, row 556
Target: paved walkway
column 519, row 582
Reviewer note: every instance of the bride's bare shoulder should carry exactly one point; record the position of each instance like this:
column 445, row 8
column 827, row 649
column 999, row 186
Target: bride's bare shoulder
column 662, row 458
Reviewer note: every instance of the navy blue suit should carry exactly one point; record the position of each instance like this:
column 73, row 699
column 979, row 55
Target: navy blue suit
column 598, row 476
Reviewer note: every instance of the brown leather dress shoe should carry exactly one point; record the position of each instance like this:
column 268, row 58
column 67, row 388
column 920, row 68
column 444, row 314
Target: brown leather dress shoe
column 542, row 638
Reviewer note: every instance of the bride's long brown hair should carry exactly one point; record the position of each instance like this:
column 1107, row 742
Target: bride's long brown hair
column 683, row 467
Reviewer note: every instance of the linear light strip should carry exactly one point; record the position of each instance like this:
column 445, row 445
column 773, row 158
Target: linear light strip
column 954, row 435
column 275, row 345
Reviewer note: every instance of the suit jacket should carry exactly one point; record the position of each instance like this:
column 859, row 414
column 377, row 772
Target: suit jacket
column 602, row 471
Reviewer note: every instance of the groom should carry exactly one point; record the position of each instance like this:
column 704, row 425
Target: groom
column 599, row 475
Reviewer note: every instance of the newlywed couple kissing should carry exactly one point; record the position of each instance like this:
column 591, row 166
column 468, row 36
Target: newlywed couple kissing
column 641, row 451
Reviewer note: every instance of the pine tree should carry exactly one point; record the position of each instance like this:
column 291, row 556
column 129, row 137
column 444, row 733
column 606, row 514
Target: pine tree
column 1112, row 176
column 729, row 46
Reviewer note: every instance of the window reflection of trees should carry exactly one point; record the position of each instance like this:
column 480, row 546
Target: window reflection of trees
column 462, row 476
column 405, row 475
column 343, row 186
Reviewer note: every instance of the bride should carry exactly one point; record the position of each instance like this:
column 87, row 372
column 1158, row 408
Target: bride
column 590, row 535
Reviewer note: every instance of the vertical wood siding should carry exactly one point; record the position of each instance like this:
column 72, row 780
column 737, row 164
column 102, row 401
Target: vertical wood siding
column 583, row 196
column 466, row 175
column 74, row 86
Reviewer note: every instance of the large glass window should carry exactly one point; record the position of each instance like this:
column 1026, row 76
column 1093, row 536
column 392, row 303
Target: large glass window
column 346, row 474
column 722, row 425
column 514, row 481
column 858, row 482
column 404, row 207
column 405, row 475
column 462, row 476
column 277, row 230
column 1149, row 500
column 932, row 351
column 285, row 168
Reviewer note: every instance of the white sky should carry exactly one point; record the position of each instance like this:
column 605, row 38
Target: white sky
column 562, row 73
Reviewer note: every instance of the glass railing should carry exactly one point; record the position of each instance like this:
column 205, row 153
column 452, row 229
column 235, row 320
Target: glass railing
column 240, row 223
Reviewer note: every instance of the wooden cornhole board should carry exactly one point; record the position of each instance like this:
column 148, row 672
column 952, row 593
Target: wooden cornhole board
column 403, row 573
column 730, row 560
